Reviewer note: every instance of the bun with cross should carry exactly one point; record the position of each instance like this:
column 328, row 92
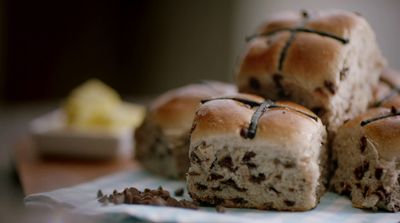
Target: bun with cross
column 366, row 151
column 327, row 61
column 249, row 152
column 162, row 141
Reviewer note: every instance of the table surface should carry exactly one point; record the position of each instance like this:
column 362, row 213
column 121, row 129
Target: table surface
column 38, row 174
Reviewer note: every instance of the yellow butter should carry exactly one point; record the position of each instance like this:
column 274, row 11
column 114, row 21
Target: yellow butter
column 96, row 106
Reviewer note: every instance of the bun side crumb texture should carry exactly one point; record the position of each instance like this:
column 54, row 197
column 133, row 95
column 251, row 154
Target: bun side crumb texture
column 366, row 151
column 327, row 61
column 281, row 165
column 162, row 141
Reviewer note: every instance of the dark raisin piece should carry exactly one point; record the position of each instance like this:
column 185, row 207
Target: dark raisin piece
column 251, row 165
column 330, row 86
column 246, row 159
column 248, row 155
column 289, row 164
column 334, row 164
column 279, row 177
column 358, row 185
column 271, row 188
column 194, row 158
column 378, row 173
column 363, row 144
column 277, row 78
column 343, row 73
column 227, row 163
column 254, row 84
column 257, row 179
column 179, row 192
column 193, row 173
column 214, row 176
column 289, row 203
column 360, row 171
column 216, row 188
column 233, row 184
column 200, row 186
column 213, row 163
column 100, row 194
column 365, row 190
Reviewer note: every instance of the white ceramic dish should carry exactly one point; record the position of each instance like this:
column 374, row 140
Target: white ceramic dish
column 53, row 138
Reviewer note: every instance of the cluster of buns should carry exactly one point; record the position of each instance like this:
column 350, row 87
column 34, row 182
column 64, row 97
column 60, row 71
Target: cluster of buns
column 325, row 110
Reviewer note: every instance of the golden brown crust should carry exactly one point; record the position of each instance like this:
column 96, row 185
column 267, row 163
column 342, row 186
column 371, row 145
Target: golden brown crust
column 175, row 109
column 383, row 133
column 282, row 20
column 392, row 102
column 304, row 69
column 261, row 52
column 386, row 94
column 230, row 117
column 338, row 22
column 262, row 56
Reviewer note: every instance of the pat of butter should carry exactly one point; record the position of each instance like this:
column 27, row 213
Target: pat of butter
column 95, row 106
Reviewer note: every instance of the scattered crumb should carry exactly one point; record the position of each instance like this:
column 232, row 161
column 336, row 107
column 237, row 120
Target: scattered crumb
column 179, row 192
column 99, row 194
column 158, row 197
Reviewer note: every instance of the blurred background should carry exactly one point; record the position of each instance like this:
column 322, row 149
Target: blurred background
column 144, row 46
column 138, row 47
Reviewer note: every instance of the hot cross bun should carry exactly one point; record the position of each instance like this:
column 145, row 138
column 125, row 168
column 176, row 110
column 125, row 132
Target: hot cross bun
column 162, row 141
column 327, row 61
column 248, row 152
column 366, row 152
